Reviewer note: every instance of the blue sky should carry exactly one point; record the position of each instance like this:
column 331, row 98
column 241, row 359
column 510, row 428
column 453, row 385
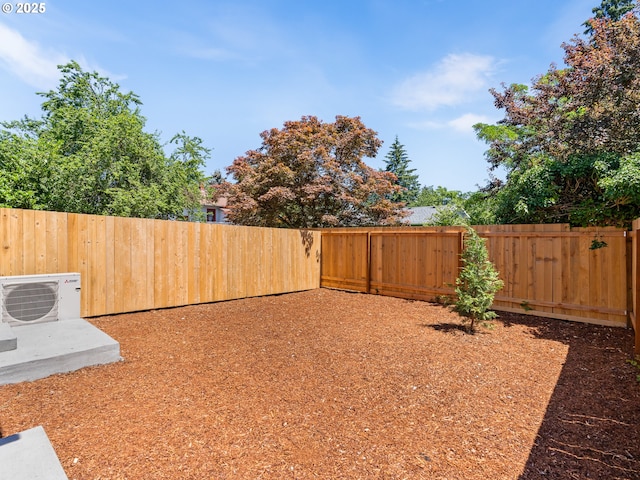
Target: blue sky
column 227, row 70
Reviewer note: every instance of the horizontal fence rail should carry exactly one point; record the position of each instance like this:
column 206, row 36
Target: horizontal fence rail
column 132, row 264
column 548, row 270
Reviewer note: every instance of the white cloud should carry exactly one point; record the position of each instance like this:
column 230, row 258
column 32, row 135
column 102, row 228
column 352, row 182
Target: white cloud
column 28, row 60
column 451, row 82
column 465, row 123
column 462, row 124
column 36, row 66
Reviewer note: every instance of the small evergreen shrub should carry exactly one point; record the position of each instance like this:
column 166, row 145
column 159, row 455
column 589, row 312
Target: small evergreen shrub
column 477, row 283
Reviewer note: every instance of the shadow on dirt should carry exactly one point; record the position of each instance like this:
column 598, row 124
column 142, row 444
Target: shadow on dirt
column 448, row 327
column 591, row 428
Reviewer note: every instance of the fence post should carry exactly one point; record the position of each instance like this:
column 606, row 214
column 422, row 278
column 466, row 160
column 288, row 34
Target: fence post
column 368, row 286
column 635, row 283
column 460, row 249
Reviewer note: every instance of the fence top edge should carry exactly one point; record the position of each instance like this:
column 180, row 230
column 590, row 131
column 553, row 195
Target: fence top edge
column 590, row 233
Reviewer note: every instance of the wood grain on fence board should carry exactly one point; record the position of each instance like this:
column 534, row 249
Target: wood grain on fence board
column 129, row 264
column 548, row 270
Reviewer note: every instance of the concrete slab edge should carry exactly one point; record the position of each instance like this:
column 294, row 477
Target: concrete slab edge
column 29, row 455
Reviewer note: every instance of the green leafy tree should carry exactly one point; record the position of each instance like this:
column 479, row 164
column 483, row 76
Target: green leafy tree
column 477, row 283
column 25, row 169
column 312, row 174
column 612, row 9
column 397, row 162
column 480, row 206
column 89, row 153
column 448, row 215
column 568, row 144
column 430, row 196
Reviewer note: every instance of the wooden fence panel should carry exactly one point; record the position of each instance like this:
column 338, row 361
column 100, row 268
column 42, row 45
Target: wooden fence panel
column 284, row 262
column 253, row 261
column 635, row 283
column 129, row 264
column 548, row 270
column 123, row 245
column 205, row 266
column 237, row 287
column 97, row 266
column 566, row 277
column 344, row 260
column 193, row 266
column 414, row 265
column 30, row 227
column 138, row 264
column 220, row 264
column 418, row 262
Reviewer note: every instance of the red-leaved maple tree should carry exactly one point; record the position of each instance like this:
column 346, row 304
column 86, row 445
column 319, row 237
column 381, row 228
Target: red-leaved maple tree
column 570, row 143
column 311, row 174
column 591, row 106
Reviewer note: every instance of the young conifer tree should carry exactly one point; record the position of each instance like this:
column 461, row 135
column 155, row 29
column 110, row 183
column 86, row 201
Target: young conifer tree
column 478, row 281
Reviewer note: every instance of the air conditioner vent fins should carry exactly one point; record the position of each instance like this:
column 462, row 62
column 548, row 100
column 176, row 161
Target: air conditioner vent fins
column 30, row 302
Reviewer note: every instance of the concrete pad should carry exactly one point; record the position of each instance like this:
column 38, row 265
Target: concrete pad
column 29, row 455
column 56, row 347
column 8, row 340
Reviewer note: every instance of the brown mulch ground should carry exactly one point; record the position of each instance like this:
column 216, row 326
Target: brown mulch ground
column 327, row 384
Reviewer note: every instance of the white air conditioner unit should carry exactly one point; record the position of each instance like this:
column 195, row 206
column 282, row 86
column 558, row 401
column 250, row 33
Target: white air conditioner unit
column 29, row 299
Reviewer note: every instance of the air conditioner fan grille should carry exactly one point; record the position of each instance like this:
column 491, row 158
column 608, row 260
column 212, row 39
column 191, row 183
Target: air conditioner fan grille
column 29, row 302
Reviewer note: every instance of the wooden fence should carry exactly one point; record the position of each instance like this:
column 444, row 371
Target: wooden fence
column 557, row 271
column 548, row 270
column 137, row 264
column 129, row 264
column 411, row 262
column 635, row 282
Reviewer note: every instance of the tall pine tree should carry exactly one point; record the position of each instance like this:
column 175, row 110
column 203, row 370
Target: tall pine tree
column 397, row 162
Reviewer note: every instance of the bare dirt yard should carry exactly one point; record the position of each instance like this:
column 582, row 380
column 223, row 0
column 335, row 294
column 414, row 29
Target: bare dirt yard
column 327, row 384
